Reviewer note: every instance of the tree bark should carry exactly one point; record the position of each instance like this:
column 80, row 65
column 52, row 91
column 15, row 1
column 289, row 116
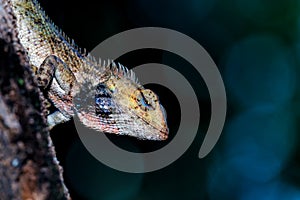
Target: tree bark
column 28, row 165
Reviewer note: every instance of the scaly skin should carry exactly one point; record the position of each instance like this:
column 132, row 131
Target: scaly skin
column 106, row 97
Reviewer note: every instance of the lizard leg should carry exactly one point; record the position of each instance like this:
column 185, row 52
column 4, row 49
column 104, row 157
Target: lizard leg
column 55, row 72
column 62, row 102
column 54, row 67
column 56, row 118
column 45, row 72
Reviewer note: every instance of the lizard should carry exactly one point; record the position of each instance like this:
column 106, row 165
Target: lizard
column 106, row 96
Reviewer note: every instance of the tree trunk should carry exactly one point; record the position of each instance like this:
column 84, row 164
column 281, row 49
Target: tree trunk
column 28, row 165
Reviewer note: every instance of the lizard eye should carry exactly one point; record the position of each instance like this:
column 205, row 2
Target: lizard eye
column 147, row 100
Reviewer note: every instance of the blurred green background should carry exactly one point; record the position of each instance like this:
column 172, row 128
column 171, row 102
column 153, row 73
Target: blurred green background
column 256, row 46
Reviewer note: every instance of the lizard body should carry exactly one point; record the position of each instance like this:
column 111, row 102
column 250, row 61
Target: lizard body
column 105, row 96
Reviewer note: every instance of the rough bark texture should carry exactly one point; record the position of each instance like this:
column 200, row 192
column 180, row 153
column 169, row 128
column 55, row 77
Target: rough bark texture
column 28, row 166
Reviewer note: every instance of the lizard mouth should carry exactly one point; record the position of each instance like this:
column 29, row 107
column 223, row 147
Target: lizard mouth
column 163, row 129
column 164, row 134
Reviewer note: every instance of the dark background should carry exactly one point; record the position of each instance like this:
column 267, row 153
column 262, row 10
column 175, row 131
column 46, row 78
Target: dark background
column 256, row 47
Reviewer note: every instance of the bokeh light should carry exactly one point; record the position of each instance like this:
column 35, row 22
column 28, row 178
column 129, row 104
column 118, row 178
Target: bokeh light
column 259, row 141
column 274, row 190
column 257, row 144
column 259, row 69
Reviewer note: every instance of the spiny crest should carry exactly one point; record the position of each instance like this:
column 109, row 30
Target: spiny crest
column 120, row 69
column 41, row 11
column 116, row 68
column 57, row 29
column 100, row 67
column 109, row 65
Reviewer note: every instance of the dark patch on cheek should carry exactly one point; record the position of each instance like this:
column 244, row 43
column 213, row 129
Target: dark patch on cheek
column 104, row 105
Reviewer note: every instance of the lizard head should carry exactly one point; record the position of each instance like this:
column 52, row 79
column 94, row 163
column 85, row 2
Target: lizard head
column 122, row 106
column 140, row 113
